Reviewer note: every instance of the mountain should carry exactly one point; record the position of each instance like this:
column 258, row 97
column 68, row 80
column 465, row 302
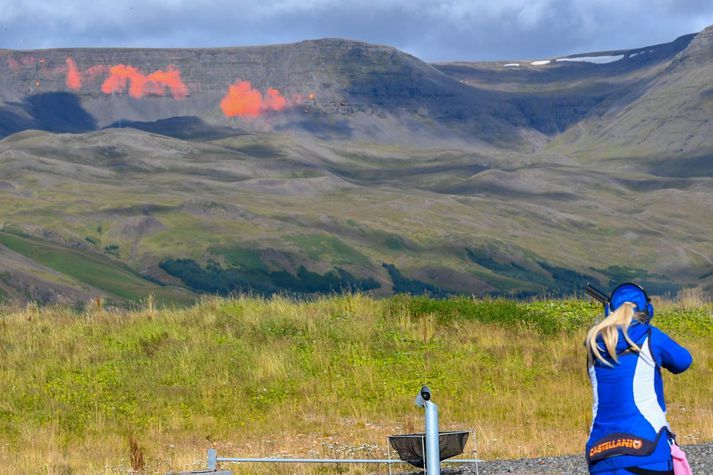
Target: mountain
column 333, row 165
column 333, row 89
column 556, row 93
column 663, row 127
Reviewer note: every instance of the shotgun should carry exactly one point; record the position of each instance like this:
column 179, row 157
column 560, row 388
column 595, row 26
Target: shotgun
column 597, row 294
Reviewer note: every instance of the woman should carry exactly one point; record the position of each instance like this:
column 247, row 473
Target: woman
column 629, row 432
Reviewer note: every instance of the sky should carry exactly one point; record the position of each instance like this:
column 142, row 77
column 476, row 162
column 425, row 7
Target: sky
column 434, row 30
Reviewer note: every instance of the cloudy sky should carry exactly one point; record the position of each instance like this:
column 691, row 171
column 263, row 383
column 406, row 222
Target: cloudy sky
column 434, row 30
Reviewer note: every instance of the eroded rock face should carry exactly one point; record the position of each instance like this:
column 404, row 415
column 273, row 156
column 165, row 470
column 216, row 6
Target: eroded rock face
column 327, row 87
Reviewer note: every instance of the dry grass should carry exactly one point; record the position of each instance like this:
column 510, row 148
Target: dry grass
column 109, row 391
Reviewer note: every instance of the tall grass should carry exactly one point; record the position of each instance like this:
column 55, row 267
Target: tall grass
column 108, row 390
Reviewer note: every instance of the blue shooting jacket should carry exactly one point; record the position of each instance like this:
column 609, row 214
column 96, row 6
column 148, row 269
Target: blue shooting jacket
column 629, row 426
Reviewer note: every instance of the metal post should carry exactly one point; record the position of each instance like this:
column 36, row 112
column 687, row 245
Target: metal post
column 283, row 460
column 388, row 451
column 433, row 452
column 475, row 451
column 212, row 459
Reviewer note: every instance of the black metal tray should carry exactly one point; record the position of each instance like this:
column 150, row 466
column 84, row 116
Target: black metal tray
column 410, row 446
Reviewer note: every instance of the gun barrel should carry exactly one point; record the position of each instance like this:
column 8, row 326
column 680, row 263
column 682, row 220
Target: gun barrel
column 597, row 294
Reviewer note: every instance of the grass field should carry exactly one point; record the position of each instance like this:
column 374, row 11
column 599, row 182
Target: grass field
column 105, row 390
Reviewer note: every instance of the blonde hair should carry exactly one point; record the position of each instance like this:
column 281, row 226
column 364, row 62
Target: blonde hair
column 609, row 331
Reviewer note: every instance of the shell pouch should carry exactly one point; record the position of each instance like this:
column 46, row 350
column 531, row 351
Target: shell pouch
column 680, row 463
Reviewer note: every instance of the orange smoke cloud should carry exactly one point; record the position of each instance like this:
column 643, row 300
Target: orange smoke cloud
column 13, row 64
column 74, row 78
column 139, row 85
column 241, row 100
column 299, row 99
column 23, row 62
column 245, row 101
column 274, row 100
column 121, row 76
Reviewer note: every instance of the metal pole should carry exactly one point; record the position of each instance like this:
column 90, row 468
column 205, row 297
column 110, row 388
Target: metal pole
column 433, row 452
column 350, row 461
column 298, row 460
column 432, row 455
column 475, row 451
column 212, row 459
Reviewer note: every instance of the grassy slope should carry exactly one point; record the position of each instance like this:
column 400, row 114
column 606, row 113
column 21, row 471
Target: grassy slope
column 330, row 377
column 94, row 270
column 307, row 202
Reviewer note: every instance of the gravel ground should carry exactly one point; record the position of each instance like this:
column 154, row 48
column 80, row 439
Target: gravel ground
column 699, row 456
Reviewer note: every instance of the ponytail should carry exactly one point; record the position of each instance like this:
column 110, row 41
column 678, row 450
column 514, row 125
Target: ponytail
column 608, row 329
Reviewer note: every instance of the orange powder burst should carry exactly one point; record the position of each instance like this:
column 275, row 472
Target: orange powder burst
column 141, row 85
column 74, row 78
column 13, row 64
column 274, row 100
column 170, row 78
column 242, row 100
column 245, row 101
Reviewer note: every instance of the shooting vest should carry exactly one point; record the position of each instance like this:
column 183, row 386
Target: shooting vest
column 629, row 426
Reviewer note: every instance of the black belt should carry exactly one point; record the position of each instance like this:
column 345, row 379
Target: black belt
column 643, row 471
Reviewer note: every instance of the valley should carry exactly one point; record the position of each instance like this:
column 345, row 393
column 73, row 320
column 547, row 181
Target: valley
column 332, row 165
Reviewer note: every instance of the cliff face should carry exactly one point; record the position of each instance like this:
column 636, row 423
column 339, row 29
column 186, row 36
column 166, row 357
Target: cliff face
column 700, row 50
column 332, row 89
column 329, row 87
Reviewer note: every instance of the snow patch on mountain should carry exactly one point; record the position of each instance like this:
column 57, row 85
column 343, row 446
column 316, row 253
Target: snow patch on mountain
column 594, row 59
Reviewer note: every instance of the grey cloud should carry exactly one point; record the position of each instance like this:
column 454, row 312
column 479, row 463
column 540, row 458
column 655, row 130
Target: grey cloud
column 433, row 30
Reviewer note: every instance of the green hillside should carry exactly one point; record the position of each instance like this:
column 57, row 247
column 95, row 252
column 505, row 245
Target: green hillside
column 94, row 270
column 455, row 219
